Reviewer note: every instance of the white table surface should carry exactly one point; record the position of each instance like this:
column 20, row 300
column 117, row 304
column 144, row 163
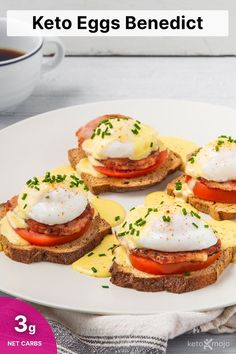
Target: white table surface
column 88, row 79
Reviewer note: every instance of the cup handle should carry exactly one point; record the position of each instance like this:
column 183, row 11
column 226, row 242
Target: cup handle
column 52, row 63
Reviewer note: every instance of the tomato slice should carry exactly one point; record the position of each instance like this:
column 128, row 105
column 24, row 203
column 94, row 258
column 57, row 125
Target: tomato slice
column 44, row 240
column 135, row 173
column 149, row 266
column 201, row 191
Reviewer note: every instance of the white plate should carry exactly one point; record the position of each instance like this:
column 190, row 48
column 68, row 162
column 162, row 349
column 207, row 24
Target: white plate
column 33, row 146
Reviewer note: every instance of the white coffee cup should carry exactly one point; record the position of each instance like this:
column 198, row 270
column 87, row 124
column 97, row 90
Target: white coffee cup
column 19, row 76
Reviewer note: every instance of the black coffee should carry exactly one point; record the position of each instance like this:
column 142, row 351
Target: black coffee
column 8, row 54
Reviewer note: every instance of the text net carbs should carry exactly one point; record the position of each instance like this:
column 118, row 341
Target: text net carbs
column 118, row 23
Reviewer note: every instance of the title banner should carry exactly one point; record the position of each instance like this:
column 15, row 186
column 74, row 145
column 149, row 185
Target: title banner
column 197, row 23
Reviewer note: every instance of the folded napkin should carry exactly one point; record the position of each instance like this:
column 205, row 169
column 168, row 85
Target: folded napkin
column 79, row 333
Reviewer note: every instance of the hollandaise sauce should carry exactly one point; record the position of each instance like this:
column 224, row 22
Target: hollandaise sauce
column 180, row 146
column 226, row 232
column 63, row 170
column 158, row 198
column 109, row 210
column 98, row 262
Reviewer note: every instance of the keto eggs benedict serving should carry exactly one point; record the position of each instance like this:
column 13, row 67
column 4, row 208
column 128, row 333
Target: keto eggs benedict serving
column 118, row 153
column 52, row 220
column 167, row 248
column 209, row 183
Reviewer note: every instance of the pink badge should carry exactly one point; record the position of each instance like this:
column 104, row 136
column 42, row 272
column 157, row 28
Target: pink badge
column 23, row 330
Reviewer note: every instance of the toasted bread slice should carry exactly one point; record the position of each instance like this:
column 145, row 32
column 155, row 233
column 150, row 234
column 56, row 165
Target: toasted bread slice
column 218, row 211
column 129, row 277
column 110, row 184
column 63, row 254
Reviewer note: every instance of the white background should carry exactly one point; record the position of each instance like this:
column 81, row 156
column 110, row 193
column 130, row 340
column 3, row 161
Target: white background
column 137, row 46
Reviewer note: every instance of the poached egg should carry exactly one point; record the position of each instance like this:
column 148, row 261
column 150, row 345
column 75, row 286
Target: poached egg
column 215, row 161
column 51, row 200
column 169, row 228
column 121, row 138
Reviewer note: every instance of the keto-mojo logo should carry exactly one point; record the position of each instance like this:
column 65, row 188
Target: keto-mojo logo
column 209, row 344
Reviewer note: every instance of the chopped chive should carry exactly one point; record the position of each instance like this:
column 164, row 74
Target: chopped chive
column 90, row 254
column 117, row 218
column 146, row 215
column 162, row 202
column 137, row 233
column 196, row 215
column 94, row 269
column 137, row 221
column 195, row 225
column 25, row 206
column 113, row 258
column 151, row 145
column 76, row 182
column 148, row 212
column 47, row 197
column 178, row 186
column 134, row 131
column 121, row 234
column 166, row 218
column 112, row 247
column 33, row 183
column 137, row 126
column 105, row 286
column 184, row 211
column 140, row 222
column 24, row 196
column 124, row 224
column 102, row 254
column 48, row 178
column 206, row 226
column 132, row 209
column 191, row 160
